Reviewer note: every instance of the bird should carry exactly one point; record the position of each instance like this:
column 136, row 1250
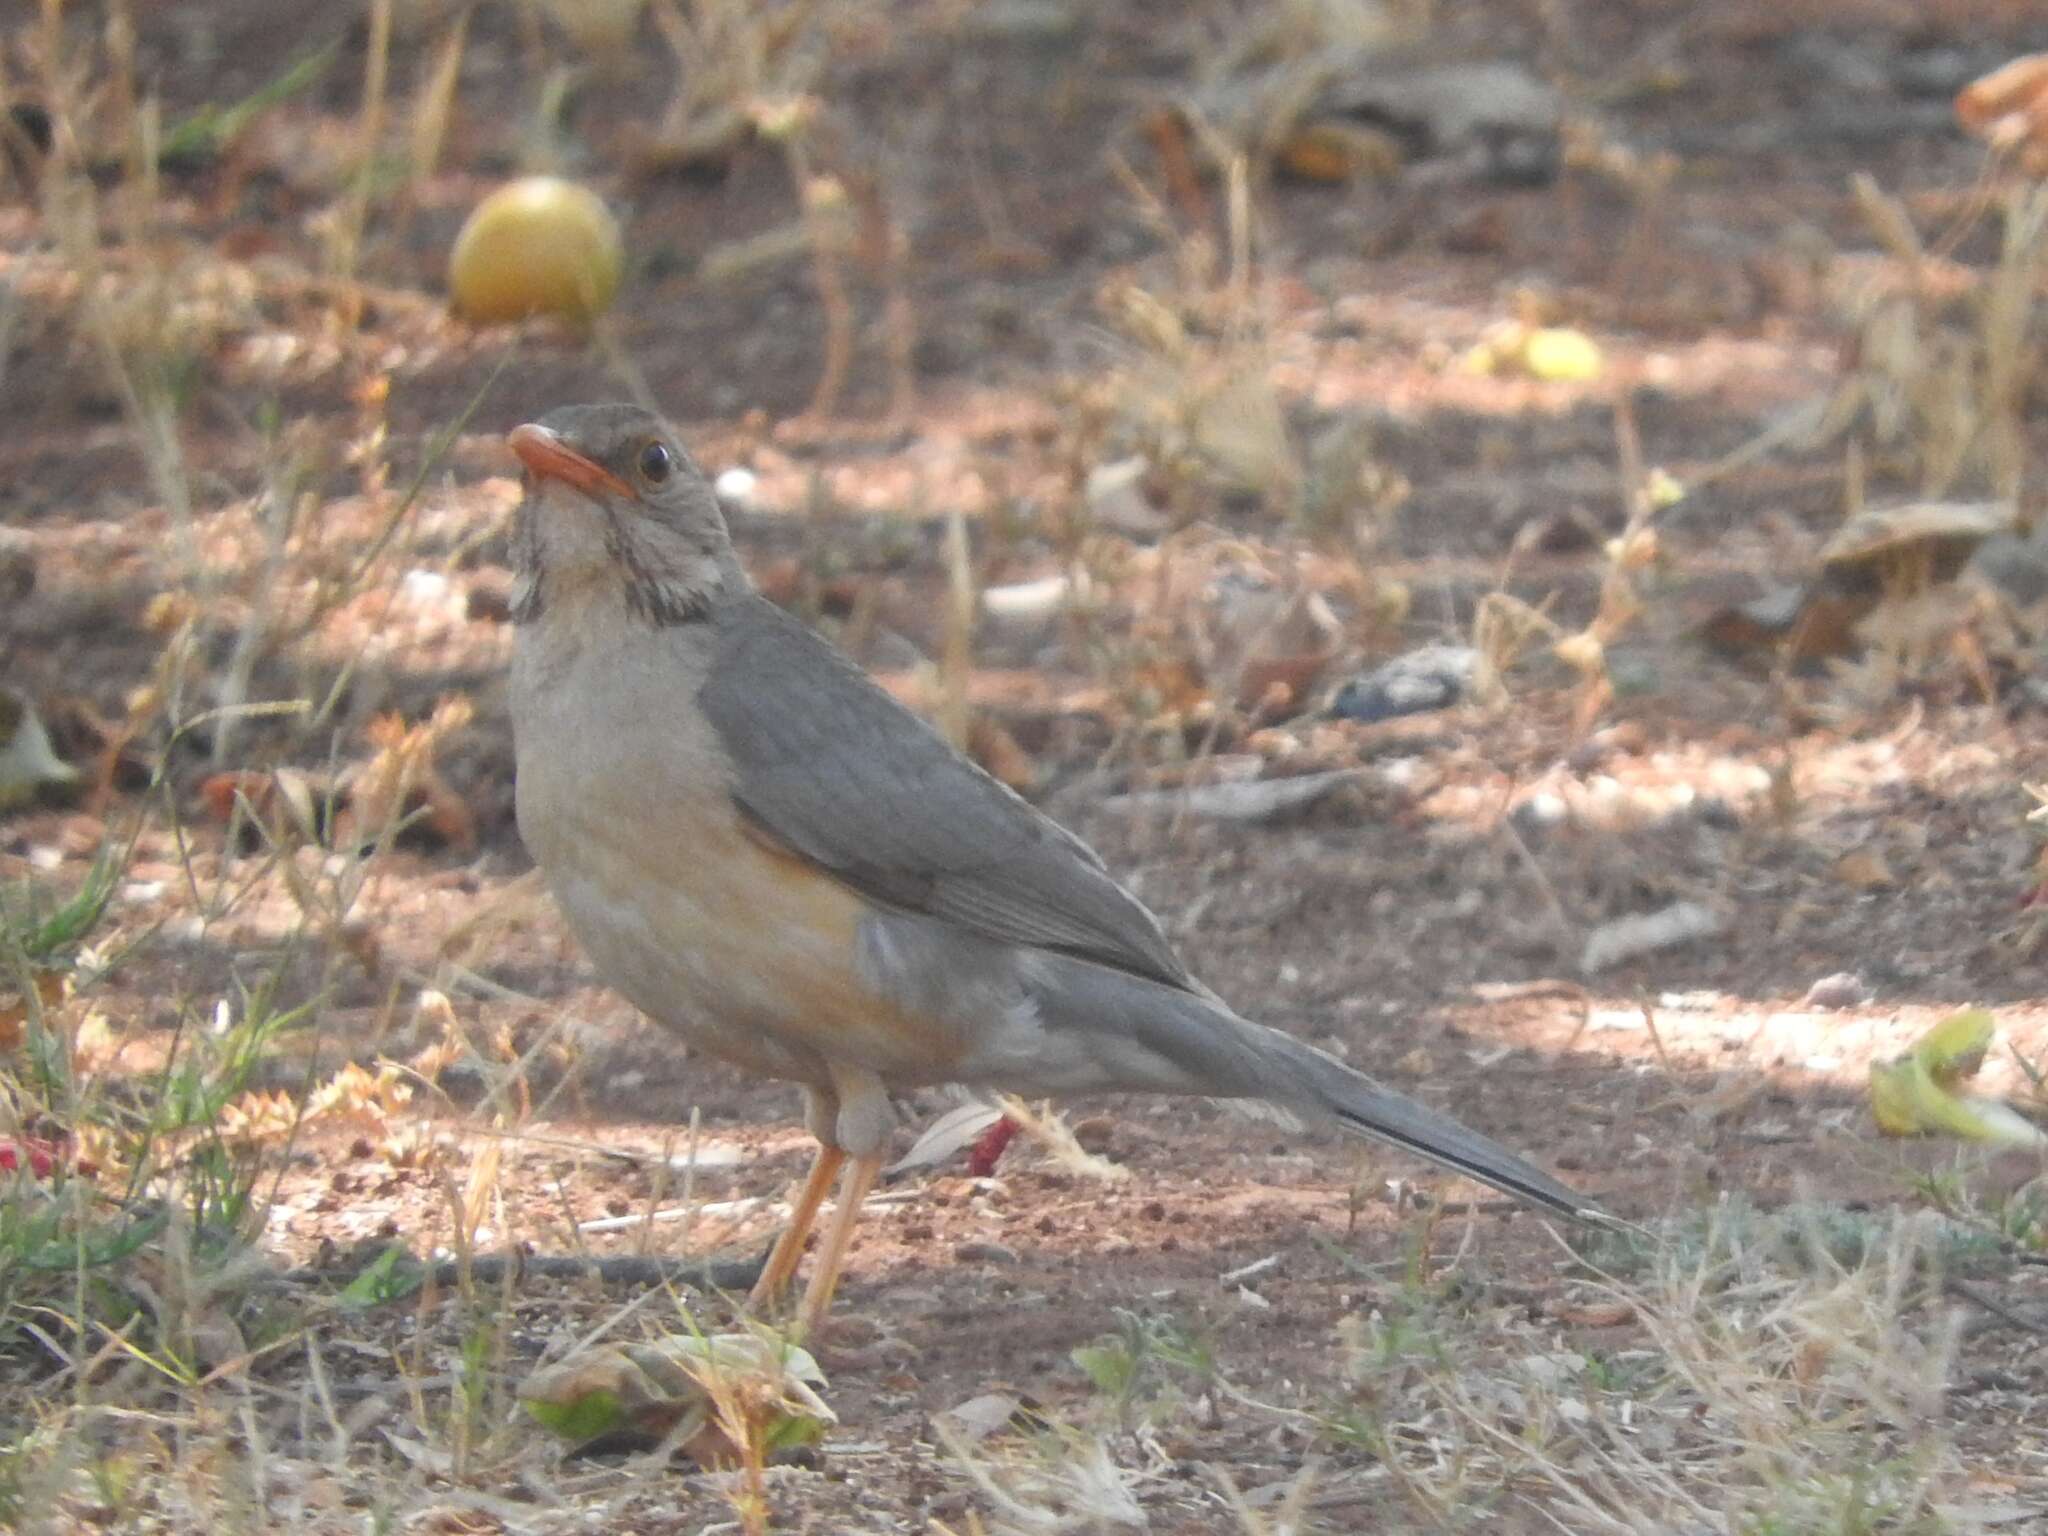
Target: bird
column 768, row 855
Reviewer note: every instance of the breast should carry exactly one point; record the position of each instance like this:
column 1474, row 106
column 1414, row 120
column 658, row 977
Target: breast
column 741, row 948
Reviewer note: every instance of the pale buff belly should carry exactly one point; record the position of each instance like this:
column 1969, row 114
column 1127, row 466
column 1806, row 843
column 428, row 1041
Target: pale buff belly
column 744, row 952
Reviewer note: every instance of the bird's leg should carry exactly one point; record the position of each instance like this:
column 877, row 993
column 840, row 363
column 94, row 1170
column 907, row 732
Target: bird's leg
column 789, row 1248
column 853, row 1192
column 821, row 1119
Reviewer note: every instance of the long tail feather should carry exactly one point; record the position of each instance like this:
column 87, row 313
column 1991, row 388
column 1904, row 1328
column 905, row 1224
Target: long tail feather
column 1141, row 1035
column 1362, row 1106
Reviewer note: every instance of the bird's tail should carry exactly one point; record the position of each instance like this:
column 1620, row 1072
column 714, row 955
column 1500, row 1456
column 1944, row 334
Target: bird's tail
column 1137, row 1034
column 1321, row 1082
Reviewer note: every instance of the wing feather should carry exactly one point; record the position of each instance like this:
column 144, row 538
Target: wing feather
column 831, row 767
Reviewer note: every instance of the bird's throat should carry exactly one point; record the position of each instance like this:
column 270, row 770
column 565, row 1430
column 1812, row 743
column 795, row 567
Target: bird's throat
column 583, row 561
column 578, row 597
column 657, row 596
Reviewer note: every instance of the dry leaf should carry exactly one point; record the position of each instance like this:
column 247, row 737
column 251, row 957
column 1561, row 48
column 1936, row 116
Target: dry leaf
column 1338, row 151
column 2020, row 85
column 988, row 1414
column 1643, row 933
column 400, row 785
column 259, row 1117
column 1865, row 869
column 52, row 987
column 285, row 805
column 27, row 760
column 2008, row 109
column 952, row 1133
column 354, row 1093
column 1593, row 1314
column 1917, row 545
column 1244, row 800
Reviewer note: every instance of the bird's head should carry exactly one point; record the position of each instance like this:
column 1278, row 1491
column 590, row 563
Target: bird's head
column 616, row 510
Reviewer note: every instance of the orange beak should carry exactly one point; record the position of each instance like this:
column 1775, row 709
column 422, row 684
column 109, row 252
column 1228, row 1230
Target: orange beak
column 548, row 457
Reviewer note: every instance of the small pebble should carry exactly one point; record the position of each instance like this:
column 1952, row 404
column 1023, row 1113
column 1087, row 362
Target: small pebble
column 1119, row 500
column 1844, row 989
column 1539, row 813
column 735, row 488
column 980, row 1252
column 1428, row 678
column 424, row 589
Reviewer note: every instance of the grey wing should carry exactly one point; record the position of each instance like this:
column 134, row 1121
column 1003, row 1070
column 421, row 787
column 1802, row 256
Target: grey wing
column 831, row 767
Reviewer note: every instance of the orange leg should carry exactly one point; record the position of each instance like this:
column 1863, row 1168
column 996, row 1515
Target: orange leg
column 789, row 1248
column 853, row 1192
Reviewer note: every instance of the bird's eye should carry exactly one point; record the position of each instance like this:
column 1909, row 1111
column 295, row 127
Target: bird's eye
column 655, row 463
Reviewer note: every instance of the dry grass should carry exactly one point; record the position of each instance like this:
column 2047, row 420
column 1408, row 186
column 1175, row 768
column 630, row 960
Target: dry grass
column 1193, row 389
column 1946, row 356
column 1788, row 1375
column 1780, row 1388
column 756, row 73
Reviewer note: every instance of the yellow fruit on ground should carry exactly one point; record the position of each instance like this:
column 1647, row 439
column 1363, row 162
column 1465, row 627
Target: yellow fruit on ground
column 1562, row 355
column 538, row 246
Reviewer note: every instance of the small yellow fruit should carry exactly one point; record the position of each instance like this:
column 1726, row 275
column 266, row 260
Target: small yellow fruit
column 1662, row 490
column 539, row 246
column 1562, row 355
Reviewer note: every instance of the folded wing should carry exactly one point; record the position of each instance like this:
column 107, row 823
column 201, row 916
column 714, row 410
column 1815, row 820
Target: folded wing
column 830, row 767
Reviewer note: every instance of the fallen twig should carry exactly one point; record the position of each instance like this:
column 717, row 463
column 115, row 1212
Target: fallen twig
column 1963, row 1291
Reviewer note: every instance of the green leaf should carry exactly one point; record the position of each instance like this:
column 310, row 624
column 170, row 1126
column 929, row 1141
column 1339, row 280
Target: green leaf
column 97, row 1247
column 791, row 1432
column 43, row 941
column 391, row 1276
column 212, row 128
column 579, row 1419
column 1109, row 1367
